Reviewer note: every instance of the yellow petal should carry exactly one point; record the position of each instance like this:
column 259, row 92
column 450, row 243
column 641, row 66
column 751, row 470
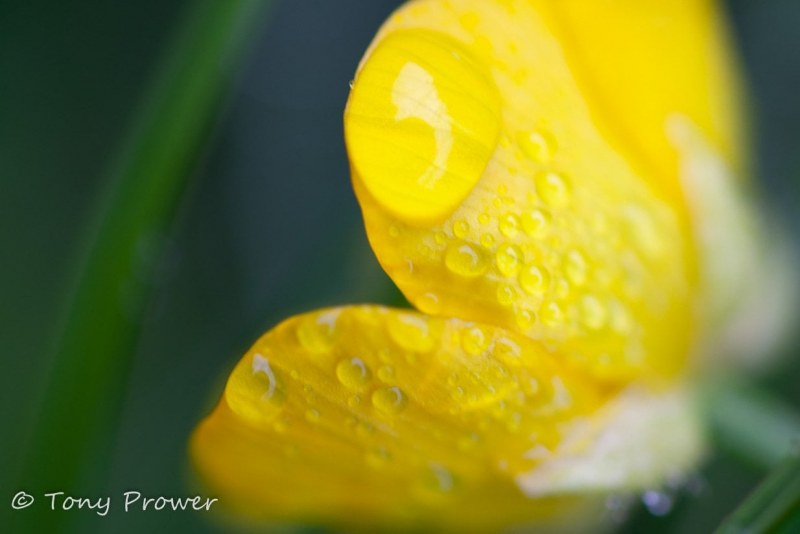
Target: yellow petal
column 645, row 64
column 369, row 415
column 561, row 235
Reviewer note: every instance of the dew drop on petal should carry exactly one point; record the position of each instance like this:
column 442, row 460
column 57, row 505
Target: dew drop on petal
column 390, row 400
column 353, row 373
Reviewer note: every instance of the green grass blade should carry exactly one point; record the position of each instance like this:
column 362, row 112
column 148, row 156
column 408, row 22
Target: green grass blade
column 750, row 424
column 773, row 506
column 69, row 446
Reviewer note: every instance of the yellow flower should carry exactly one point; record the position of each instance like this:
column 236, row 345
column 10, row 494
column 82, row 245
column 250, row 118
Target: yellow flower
column 550, row 184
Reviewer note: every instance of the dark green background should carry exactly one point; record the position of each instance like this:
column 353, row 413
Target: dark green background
column 268, row 227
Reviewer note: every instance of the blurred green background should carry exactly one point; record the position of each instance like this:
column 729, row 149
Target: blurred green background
column 267, row 226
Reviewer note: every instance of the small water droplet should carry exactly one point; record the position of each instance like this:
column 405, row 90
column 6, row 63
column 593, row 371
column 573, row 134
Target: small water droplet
column 487, row 240
column 394, row 231
column 353, row 373
column 429, row 303
column 525, row 318
column 551, row 314
column 316, row 332
column 390, row 400
column 535, row 223
column 484, row 218
column 506, row 348
column 354, row 401
column 553, row 189
column 461, row 228
column 509, row 225
column 538, row 146
column 465, row 260
column 508, row 259
column 506, row 295
column 386, row 373
column 534, row 280
column 474, row 341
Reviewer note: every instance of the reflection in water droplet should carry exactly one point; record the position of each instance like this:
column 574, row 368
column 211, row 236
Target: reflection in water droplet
column 274, row 392
column 353, row 373
column 465, row 260
column 390, row 400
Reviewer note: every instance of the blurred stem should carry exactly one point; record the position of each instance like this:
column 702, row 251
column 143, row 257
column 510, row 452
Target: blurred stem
column 750, row 424
column 70, row 445
column 774, row 506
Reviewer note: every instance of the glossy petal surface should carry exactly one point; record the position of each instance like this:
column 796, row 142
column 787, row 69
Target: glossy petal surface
column 562, row 237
